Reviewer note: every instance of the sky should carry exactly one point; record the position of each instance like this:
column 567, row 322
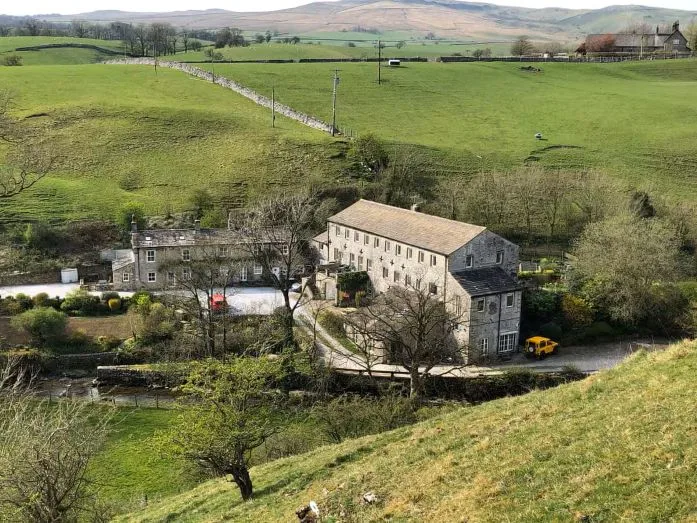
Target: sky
column 33, row 7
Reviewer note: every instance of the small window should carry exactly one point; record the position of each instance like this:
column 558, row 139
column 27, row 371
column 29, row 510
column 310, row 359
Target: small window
column 170, row 278
column 243, row 274
column 421, row 256
column 369, row 265
column 126, row 277
column 432, row 288
column 387, row 246
column 150, row 256
column 396, row 277
column 152, row 277
column 499, row 257
column 337, row 254
column 356, row 236
column 484, row 346
column 366, row 239
column 338, row 230
column 360, row 263
column 385, row 272
column 258, row 269
column 409, row 253
column 434, row 260
column 376, row 242
column 480, row 305
column 407, row 280
column 352, row 259
column 222, row 251
column 469, row 261
column 510, row 300
column 347, row 234
column 458, row 305
column 285, row 249
column 186, row 273
column 398, row 249
column 418, row 284
column 186, row 255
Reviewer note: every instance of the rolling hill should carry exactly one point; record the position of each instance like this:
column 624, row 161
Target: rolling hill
column 618, row 446
column 446, row 18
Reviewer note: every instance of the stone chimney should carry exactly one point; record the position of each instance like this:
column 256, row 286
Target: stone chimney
column 676, row 26
column 197, row 225
column 657, row 31
column 416, row 207
column 134, row 223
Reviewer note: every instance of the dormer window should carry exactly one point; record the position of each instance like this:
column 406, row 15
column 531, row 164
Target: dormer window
column 499, row 257
column 469, row 261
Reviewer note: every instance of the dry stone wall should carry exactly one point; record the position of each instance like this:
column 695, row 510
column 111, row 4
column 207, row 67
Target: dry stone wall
column 289, row 112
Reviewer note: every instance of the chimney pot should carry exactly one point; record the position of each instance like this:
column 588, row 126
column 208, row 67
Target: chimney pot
column 134, row 223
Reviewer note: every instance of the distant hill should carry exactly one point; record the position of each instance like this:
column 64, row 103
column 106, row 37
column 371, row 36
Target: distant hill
column 445, row 18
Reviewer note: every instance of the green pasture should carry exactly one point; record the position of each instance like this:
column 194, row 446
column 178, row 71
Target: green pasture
column 634, row 121
column 125, row 133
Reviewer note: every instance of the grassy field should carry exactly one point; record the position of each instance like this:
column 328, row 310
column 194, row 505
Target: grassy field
column 618, row 446
column 117, row 326
column 629, row 120
column 129, row 468
column 335, row 49
column 128, row 135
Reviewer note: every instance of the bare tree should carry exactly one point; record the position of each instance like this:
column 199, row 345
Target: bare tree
column 208, row 274
column 28, row 160
column 44, row 455
column 526, row 192
column 415, row 327
column 595, row 195
column 522, row 46
column 554, row 198
column 275, row 234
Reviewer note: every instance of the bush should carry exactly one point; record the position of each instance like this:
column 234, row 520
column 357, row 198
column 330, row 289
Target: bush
column 598, row 330
column 11, row 307
column 114, row 304
column 41, row 300
column 24, row 301
column 551, row 330
column 76, row 342
column 577, row 312
column 108, row 343
column 82, row 303
column 46, row 326
column 13, row 60
column 333, row 323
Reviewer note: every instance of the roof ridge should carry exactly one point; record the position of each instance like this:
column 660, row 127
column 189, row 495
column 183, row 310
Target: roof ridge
column 409, row 211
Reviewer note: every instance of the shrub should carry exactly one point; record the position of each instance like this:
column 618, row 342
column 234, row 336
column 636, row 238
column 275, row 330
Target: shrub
column 77, row 341
column 599, row 329
column 351, row 44
column 11, row 307
column 82, row 303
column 41, row 300
column 577, row 311
column 551, row 330
column 333, row 323
column 106, row 296
column 46, row 326
column 13, row 60
column 108, row 343
column 114, row 304
column 25, row 302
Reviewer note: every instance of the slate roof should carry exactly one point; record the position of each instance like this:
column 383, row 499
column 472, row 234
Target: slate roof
column 485, row 281
column 635, row 39
column 322, row 237
column 414, row 228
column 182, row 237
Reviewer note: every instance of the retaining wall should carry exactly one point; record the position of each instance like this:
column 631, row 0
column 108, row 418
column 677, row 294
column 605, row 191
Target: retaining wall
column 289, row 112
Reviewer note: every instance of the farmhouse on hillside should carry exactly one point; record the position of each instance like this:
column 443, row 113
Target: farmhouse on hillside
column 672, row 41
column 158, row 259
column 472, row 269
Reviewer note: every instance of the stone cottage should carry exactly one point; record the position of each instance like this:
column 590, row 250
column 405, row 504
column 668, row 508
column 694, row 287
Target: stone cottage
column 468, row 266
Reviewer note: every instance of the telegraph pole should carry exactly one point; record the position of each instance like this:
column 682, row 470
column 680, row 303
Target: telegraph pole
column 379, row 60
column 336, row 82
column 273, row 106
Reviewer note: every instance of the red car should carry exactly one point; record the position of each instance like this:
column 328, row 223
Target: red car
column 218, row 303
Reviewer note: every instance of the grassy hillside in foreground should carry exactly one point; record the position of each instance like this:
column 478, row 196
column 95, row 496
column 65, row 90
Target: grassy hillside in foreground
column 620, row 445
column 631, row 120
column 129, row 135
